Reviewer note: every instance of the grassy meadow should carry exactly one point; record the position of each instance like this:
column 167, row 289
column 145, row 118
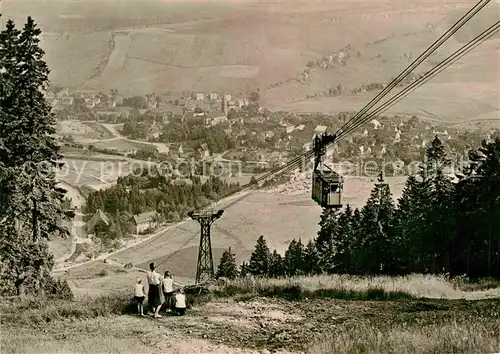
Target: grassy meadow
column 335, row 314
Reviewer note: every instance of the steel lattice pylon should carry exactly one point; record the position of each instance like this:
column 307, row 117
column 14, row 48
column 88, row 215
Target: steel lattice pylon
column 205, row 267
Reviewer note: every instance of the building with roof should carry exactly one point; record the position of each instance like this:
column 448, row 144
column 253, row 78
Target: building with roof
column 320, row 129
column 98, row 217
column 145, row 221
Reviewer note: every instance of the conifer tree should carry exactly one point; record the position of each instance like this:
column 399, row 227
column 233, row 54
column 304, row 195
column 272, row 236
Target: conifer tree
column 438, row 192
column 341, row 241
column 227, row 266
column 244, row 269
column 324, row 239
column 409, row 218
column 377, row 229
column 294, row 260
column 311, row 259
column 276, row 266
column 259, row 260
column 29, row 153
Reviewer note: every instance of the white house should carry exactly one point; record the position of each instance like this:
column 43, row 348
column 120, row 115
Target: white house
column 67, row 101
column 320, row 129
column 376, row 124
column 145, row 221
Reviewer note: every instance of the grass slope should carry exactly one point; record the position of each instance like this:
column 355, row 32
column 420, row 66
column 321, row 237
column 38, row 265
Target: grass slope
column 247, row 322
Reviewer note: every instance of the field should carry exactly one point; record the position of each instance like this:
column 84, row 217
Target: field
column 82, row 130
column 91, row 172
column 120, row 145
column 242, row 46
column 351, row 315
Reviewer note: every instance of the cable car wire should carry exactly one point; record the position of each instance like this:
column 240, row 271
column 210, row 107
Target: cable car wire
column 485, row 35
column 295, row 162
column 438, row 43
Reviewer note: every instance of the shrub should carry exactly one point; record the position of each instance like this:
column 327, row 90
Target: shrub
column 59, row 289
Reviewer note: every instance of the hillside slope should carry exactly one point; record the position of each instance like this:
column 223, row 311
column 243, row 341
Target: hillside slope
column 280, row 217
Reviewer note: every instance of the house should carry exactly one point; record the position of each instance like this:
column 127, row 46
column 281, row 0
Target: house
column 269, row 134
column 227, row 97
column 239, row 103
column 199, row 97
column 89, row 103
column 215, row 118
column 398, row 136
column 152, row 104
column 145, row 221
column 320, row 129
column 376, row 124
column 213, row 96
column 183, row 181
column 162, row 148
column 98, row 217
column 300, row 127
column 50, row 96
column 111, row 103
column 290, row 129
column 67, row 101
column 64, row 92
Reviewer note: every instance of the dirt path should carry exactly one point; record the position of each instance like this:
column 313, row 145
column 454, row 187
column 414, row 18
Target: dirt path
column 116, row 61
column 78, row 233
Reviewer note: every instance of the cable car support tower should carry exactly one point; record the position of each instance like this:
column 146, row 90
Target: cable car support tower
column 205, row 266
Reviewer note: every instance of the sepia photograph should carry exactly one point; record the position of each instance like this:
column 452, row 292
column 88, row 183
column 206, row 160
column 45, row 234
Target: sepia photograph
column 249, row 176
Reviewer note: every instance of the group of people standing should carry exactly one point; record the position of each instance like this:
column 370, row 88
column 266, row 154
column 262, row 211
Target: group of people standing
column 160, row 291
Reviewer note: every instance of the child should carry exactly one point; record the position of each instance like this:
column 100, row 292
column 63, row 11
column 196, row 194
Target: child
column 180, row 302
column 168, row 290
column 139, row 296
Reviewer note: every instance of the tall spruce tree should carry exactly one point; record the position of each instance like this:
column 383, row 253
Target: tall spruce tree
column 438, row 191
column 311, row 259
column 276, row 266
column 409, row 220
column 259, row 260
column 32, row 204
column 227, row 266
column 342, row 239
column 294, row 260
column 377, row 230
column 324, row 240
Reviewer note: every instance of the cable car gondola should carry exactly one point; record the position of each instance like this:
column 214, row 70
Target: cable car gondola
column 327, row 185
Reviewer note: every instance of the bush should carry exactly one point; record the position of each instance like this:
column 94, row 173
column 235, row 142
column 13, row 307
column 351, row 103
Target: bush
column 35, row 311
column 59, row 289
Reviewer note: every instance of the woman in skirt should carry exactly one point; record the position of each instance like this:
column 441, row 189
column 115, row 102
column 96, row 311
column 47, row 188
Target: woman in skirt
column 154, row 291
